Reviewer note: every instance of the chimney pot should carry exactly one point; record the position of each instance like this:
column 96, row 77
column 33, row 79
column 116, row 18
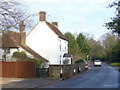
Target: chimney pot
column 55, row 23
column 22, row 33
column 42, row 16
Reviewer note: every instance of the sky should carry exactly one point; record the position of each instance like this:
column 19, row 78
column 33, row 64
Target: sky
column 75, row 16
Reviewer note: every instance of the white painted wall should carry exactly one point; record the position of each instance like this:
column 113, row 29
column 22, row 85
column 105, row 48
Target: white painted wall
column 12, row 50
column 8, row 55
column 46, row 43
column 63, row 48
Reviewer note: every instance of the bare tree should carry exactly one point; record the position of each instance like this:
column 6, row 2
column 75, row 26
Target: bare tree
column 11, row 14
column 108, row 41
column 96, row 48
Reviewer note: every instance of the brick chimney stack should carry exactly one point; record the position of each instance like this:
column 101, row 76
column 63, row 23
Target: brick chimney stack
column 22, row 33
column 21, row 27
column 42, row 16
column 55, row 23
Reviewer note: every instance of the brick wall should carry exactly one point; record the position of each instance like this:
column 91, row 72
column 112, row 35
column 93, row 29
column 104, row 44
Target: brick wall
column 54, row 71
column 67, row 70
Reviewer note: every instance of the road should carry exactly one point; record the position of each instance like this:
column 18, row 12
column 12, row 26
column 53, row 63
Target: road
column 95, row 77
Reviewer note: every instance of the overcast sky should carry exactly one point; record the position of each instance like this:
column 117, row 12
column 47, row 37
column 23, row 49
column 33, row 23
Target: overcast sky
column 75, row 16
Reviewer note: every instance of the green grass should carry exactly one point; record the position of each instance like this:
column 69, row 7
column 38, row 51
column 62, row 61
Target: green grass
column 114, row 64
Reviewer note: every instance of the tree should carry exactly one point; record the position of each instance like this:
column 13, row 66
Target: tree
column 114, row 25
column 96, row 51
column 83, row 44
column 108, row 42
column 11, row 14
column 115, row 53
column 73, row 47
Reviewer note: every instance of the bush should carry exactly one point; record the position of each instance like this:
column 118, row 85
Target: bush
column 22, row 56
column 38, row 63
column 80, row 60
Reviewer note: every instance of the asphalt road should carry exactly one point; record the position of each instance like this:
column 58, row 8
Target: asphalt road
column 95, row 77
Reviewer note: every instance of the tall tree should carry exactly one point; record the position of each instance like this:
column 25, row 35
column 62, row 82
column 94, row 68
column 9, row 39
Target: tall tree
column 114, row 25
column 108, row 42
column 96, row 51
column 83, row 44
column 115, row 53
column 72, row 46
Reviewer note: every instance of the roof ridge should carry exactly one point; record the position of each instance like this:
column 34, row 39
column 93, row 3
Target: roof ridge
column 32, row 29
column 56, row 30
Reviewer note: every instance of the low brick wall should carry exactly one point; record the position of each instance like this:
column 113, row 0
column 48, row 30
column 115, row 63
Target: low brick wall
column 18, row 69
column 68, row 71
column 54, row 71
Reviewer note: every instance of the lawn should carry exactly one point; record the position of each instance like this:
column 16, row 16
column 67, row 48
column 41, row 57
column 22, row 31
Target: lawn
column 114, row 64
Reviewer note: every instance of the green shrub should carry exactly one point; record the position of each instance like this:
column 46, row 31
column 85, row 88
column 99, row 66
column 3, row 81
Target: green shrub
column 80, row 60
column 115, row 64
column 22, row 56
column 38, row 63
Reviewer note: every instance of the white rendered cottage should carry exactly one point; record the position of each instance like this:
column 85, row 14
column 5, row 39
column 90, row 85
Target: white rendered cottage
column 46, row 39
column 12, row 41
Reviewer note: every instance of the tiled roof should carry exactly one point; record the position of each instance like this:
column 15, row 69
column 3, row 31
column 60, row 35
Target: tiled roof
column 56, row 31
column 32, row 52
column 10, row 39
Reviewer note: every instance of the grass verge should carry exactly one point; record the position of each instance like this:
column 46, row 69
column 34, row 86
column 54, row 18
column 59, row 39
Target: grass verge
column 114, row 64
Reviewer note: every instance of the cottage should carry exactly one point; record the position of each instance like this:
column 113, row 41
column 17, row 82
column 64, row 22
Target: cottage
column 47, row 40
column 12, row 41
column 44, row 41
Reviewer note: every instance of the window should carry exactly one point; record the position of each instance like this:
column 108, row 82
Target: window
column 65, row 46
column 60, row 59
column 60, row 46
column 8, row 51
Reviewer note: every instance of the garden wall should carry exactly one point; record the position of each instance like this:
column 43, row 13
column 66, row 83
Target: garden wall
column 67, row 70
column 18, row 69
column 54, row 71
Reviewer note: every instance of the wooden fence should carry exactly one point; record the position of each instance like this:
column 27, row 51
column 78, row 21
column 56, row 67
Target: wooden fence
column 18, row 69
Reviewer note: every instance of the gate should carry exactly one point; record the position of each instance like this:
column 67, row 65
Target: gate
column 42, row 72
